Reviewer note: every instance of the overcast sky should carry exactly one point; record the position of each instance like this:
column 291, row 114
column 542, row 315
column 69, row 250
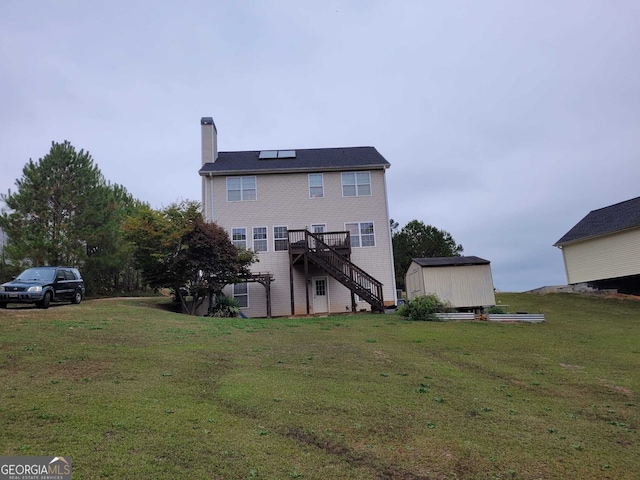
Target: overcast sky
column 505, row 122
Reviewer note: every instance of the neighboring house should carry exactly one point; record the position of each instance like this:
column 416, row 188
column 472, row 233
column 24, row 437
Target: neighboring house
column 603, row 249
column 317, row 218
column 464, row 282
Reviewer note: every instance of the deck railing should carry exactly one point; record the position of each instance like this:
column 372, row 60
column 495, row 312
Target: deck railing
column 324, row 248
column 304, row 239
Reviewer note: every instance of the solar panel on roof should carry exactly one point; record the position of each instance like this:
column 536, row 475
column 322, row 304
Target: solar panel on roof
column 265, row 154
column 286, row 154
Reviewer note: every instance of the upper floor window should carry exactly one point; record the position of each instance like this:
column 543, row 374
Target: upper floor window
column 259, row 239
column 316, row 185
column 280, row 238
column 362, row 234
column 239, row 237
column 241, row 189
column 355, row 184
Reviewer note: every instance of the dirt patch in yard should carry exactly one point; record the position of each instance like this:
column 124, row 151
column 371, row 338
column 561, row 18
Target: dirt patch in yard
column 621, row 296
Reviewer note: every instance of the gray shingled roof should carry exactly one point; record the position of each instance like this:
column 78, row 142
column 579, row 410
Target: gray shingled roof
column 312, row 159
column 614, row 218
column 450, row 261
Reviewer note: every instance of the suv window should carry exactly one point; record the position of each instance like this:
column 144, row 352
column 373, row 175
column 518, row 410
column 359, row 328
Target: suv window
column 68, row 275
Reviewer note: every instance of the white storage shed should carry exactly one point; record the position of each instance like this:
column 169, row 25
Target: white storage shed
column 464, row 282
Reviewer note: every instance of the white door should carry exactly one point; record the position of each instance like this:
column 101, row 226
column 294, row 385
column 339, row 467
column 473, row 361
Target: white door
column 320, row 295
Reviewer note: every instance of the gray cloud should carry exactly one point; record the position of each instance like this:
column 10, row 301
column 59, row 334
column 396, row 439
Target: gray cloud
column 504, row 122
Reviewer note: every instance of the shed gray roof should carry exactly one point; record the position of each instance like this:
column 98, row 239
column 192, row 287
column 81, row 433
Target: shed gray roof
column 614, row 218
column 450, row 261
column 311, row 160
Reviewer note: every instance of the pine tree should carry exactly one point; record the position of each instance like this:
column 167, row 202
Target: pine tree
column 64, row 212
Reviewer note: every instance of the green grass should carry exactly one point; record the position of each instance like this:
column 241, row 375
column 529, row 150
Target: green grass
column 131, row 390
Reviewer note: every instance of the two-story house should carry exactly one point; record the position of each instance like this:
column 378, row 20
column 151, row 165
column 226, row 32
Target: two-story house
column 601, row 250
column 318, row 220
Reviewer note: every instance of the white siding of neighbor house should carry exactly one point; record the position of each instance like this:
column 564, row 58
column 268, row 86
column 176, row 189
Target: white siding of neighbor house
column 462, row 286
column 609, row 256
column 283, row 200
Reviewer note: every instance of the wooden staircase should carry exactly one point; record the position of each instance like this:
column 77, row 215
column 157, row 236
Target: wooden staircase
column 328, row 251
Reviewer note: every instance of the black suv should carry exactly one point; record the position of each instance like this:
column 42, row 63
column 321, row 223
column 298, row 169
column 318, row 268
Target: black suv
column 43, row 285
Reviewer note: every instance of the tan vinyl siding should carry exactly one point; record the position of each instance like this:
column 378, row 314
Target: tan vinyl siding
column 610, row 256
column 283, row 200
column 280, row 299
column 462, row 286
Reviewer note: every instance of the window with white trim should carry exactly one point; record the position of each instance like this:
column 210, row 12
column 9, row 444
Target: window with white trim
column 241, row 294
column 316, row 185
column 362, row 234
column 356, row 184
column 280, row 239
column 259, row 239
column 241, row 189
column 318, row 229
column 239, row 237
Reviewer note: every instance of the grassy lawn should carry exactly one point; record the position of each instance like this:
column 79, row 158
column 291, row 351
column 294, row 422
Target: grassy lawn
column 131, row 390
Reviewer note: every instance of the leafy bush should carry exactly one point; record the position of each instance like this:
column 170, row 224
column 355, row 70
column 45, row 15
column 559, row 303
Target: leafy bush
column 226, row 307
column 496, row 309
column 403, row 310
column 424, row 308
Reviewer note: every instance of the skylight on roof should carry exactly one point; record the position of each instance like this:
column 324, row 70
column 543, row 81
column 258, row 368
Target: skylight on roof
column 286, row 154
column 272, row 154
column 268, row 154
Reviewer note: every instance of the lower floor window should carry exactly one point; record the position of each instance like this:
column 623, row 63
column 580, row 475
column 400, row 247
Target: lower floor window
column 239, row 238
column 259, row 239
column 280, row 239
column 241, row 294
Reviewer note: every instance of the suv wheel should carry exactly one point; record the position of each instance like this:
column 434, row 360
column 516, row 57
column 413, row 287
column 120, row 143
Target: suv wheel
column 77, row 297
column 46, row 300
column 3, row 305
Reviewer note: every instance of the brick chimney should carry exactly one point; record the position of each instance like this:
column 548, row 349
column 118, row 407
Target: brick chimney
column 209, row 140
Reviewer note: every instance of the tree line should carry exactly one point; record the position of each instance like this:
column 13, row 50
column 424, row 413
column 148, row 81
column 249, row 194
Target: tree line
column 64, row 212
